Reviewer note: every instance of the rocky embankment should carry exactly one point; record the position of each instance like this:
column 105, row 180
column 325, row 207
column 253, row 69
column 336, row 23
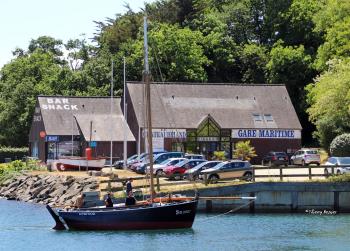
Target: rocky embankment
column 47, row 189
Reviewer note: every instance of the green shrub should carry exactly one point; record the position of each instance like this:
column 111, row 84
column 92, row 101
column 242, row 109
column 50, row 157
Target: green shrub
column 244, row 150
column 14, row 168
column 14, row 153
column 339, row 178
column 340, row 146
column 219, row 155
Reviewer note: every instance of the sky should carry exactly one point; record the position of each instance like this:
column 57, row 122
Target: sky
column 24, row 20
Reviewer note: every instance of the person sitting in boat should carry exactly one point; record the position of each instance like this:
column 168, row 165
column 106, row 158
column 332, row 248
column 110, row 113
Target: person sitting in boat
column 130, row 200
column 79, row 202
column 129, row 186
column 108, row 201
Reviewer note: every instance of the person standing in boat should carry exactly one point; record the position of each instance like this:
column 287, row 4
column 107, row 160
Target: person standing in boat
column 130, row 200
column 129, row 186
column 108, row 201
column 79, row 202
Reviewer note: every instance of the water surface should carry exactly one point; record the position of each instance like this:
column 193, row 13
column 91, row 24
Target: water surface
column 25, row 226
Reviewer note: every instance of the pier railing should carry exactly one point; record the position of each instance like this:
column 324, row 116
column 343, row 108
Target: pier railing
column 158, row 184
column 259, row 173
column 287, row 172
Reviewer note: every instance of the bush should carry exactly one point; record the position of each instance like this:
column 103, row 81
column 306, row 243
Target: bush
column 219, row 155
column 244, row 150
column 339, row 178
column 14, row 168
column 340, row 146
column 14, row 153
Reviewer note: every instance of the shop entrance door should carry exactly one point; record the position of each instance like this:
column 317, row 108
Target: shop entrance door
column 207, row 149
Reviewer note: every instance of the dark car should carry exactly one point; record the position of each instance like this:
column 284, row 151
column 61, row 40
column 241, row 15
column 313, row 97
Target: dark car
column 193, row 173
column 276, row 159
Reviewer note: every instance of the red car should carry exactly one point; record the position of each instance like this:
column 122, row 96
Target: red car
column 177, row 171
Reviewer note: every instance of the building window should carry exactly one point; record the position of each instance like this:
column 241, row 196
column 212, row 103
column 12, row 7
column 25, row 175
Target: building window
column 257, row 117
column 268, row 117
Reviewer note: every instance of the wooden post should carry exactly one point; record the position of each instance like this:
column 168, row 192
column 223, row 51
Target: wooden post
column 109, row 186
column 253, row 173
column 281, row 173
column 158, row 184
column 205, row 179
column 332, row 170
column 310, row 177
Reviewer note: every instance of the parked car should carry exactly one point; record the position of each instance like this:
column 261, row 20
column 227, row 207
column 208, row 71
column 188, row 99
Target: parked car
column 194, row 156
column 305, row 157
column 227, row 170
column 193, row 173
column 275, row 158
column 176, row 172
column 157, row 159
column 143, row 158
column 119, row 164
column 342, row 165
column 158, row 169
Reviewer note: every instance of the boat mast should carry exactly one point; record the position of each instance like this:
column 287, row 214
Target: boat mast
column 111, row 130
column 125, row 154
column 146, row 79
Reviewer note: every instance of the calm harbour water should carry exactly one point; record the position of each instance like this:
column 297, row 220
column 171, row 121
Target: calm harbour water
column 26, row 226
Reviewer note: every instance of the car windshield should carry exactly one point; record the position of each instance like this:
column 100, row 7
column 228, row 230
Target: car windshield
column 181, row 163
column 200, row 165
column 165, row 162
column 220, row 165
column 133, row 157
column 280, row 154
column 311, row 152
column 344, row 161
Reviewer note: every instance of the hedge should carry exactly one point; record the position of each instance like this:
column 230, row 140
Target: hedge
column 13, row 153
column 340, row 146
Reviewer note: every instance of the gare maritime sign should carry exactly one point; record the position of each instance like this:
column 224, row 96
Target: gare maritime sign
column 266, row 133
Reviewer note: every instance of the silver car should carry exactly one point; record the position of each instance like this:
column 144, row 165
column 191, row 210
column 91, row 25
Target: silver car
column 228, row 170
column 305, row 157
column 342, row 165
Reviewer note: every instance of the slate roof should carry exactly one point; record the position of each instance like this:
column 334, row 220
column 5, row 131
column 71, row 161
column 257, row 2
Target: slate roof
column 104, row 127
column 185, row 105
column 61, row 114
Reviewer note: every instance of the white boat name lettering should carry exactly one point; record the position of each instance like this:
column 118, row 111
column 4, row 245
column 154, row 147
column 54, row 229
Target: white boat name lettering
column 183, row 212
column 87, row 213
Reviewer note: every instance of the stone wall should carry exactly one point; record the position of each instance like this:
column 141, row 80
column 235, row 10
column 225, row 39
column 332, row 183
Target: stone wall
column 47, row 189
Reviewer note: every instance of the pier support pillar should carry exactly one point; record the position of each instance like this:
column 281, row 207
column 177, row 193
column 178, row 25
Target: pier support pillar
column 336, row 201
column 209, row 206
column 252, row 204
column 294, row 204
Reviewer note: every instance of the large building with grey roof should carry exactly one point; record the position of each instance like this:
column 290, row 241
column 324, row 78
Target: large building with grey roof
column 190, row 117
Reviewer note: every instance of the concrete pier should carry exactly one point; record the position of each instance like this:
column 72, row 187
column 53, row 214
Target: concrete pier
column 281, row 197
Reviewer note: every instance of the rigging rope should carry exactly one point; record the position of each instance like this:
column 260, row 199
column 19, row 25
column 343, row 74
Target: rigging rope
column 228, row 212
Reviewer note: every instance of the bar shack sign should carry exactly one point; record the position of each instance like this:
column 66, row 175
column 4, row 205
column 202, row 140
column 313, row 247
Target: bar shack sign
column 59, row 104
column 266, row 133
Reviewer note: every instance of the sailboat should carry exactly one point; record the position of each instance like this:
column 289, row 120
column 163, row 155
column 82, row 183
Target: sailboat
column 155, row 213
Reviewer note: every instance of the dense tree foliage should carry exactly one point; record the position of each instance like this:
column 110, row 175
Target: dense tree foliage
column 329, row 97
column 235, row 41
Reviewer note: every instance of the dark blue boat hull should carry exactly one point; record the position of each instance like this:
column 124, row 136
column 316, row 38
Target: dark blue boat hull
column 169, row 216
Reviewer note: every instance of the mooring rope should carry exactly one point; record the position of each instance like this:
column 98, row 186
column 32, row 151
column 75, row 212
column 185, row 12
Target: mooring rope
column 228, row 212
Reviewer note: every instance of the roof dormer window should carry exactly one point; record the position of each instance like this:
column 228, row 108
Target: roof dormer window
column 257, row 117
column 268, row 118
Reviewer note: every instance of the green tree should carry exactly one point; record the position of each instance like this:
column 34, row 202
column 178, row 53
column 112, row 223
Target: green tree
column 329, row 100
column 336, row 45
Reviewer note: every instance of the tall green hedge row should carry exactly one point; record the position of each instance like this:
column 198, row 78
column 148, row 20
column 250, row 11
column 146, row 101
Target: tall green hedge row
column 13, row 153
